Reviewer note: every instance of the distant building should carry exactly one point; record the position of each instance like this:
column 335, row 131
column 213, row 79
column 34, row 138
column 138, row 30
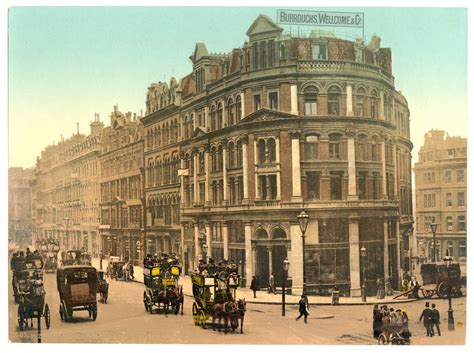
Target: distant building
column 66, row 191
column 441, row 195
column 19, row 205
column 121, row 187
column 237, row 148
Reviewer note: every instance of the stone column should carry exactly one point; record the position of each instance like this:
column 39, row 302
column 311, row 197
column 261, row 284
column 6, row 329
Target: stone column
column 354, row 256
column 277, row 150
column 224, row 174
column 397, row 236
column 351, row 168
column 196, row 169
column 270, row 259
column 396, row 177
column 208, row 175
column 197, row 246
column 245, row 169
column 225, row 236
column 296, row 166
column 278, row 180
column 384, row 172
column 208, row 240
column 181, row 179
column 249, row 268
column 349, row 108
column 242, row 103
column 294, row 99
column 181, row 239
column 385, row 253
column 206, row 117
column 296, row 267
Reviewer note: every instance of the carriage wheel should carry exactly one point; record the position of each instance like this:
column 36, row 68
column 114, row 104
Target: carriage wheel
column 195, row 314
column 47, row 316
column 427, row 293
column 94, row 312
column 145, row 301
column 106, row 295
column 442, row 290
column 21, row 316
column 61, row 314
column 383, row 339
column 202, row 318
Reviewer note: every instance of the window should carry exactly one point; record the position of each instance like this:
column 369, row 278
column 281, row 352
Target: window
column 273, row 100
column 230, row 112
column 311, row 101
column 238, row 108
column 267, row 187
column 271, row 52
column 255, row 55
column 271, row 148
column 460, row 175
column 231, row 155
column 257, row 104
column 312, row 185
column 336, row 185
column 362, row 147
column 319, row 51
column 282, row 51
column 333, row 101
column 462, row 248
column 202, row 192
column 360, row 102
column 201, row 163
column 449, row 223
column 373, row 105
column 334, row 146
column 451, row 153
column 261, row 151
column 362, row 185
column 239, row 154
column 447, row 176
column 461, row 223
column 460, row 198
column 375, row 185
column 375, row 149
column 449, row 201
column 213, row 118
column 219, row 116
column 311, row 147
column 263, row 54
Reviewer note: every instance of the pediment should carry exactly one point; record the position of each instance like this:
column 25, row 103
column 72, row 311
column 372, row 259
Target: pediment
column 263, row 24
column 199, row 51
column 268, row 115
column 199, row 131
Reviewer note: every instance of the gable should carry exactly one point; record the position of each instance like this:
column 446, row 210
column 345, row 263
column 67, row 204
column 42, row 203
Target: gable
column 268, row 115
column 199, row 131
column 263, row 24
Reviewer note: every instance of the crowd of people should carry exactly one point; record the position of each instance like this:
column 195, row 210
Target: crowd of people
column 385, row 316
column 212, row 269
column 163, row 260
column 21, row 256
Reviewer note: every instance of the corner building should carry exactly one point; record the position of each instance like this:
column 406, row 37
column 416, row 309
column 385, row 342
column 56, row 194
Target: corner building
column 441, row 196
column 281, row 124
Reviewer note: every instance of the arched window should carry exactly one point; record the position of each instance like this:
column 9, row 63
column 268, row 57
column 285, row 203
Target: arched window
column 362, row 148
column 261, row 151
column 261, row 234
column 238, row 108
column 375, row 148
column 220, row 113
column 239, row 154
column 271, row 147
column 311, row 147
column 373, row 104
column 191, row 125
column 278, row 233
column 213, row 118
column 311, row 101
column 231, row 156
column 220, row 158
column 213, row 159
column 335, row 146
column 230, row 112
column 360, row 102
column 334, row 95
column 201, row 163
column 186, row 129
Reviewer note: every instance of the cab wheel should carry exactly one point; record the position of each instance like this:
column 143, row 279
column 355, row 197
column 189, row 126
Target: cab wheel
column 195, row 314
column 94, row 312
column 202, row 319
column 21, row 317
column 47, row 316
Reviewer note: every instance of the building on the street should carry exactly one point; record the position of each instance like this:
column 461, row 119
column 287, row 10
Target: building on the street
column 282, row 124
column 441, row 196
column 161, row 158
column 65, row 191
column 19, row 205
column 121, row 187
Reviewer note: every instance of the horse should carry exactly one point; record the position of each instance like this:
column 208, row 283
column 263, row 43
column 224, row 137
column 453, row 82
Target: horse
column 239, row 313
column 176, row 298
column 222, row 311
column 163, row 298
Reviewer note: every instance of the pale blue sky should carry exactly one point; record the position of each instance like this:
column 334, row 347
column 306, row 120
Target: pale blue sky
column 67, row 63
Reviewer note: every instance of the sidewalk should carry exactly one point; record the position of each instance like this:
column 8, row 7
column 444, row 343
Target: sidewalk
column 265, row 298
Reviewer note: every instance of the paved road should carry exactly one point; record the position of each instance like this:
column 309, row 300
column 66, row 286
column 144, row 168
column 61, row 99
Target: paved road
column 124, row 320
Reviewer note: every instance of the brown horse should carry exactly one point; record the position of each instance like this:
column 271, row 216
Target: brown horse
column 176, row 298
column 163, row 298
column 238, row 313
column 222, row 311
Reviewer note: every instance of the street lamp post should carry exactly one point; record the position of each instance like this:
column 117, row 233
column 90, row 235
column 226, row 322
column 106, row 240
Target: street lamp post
column 286, row 266
column 363, row 253
column 433, row 230
column 66, row 238
column 447, row 259
column 303, row 219
column 204, row 252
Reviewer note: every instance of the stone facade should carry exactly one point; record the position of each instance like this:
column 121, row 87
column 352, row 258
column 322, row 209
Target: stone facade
column 279, row 125
column 19, row 205
column 122, row 222
column 65, row 191
column 441, row 195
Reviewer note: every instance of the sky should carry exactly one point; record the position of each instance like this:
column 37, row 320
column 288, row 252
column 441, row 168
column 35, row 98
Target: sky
column 66, row 63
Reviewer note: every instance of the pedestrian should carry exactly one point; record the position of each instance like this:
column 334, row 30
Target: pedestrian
column 398, row 317
column 380, row 288
column 377, row 321
column 303, row 308
column 426, row 315
column 414, row 286
column 254, row 286
column 271, row 284
column 435, row 319
column 101, row 258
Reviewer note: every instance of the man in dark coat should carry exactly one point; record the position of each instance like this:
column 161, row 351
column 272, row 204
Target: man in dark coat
column 427, row 315
column 303, row 309
column 377, row 321
column 254, row 286
column 435, row 319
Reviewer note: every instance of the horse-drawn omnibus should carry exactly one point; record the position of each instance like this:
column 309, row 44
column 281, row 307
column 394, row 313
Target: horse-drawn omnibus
column 161, row 278
column 437, row 280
